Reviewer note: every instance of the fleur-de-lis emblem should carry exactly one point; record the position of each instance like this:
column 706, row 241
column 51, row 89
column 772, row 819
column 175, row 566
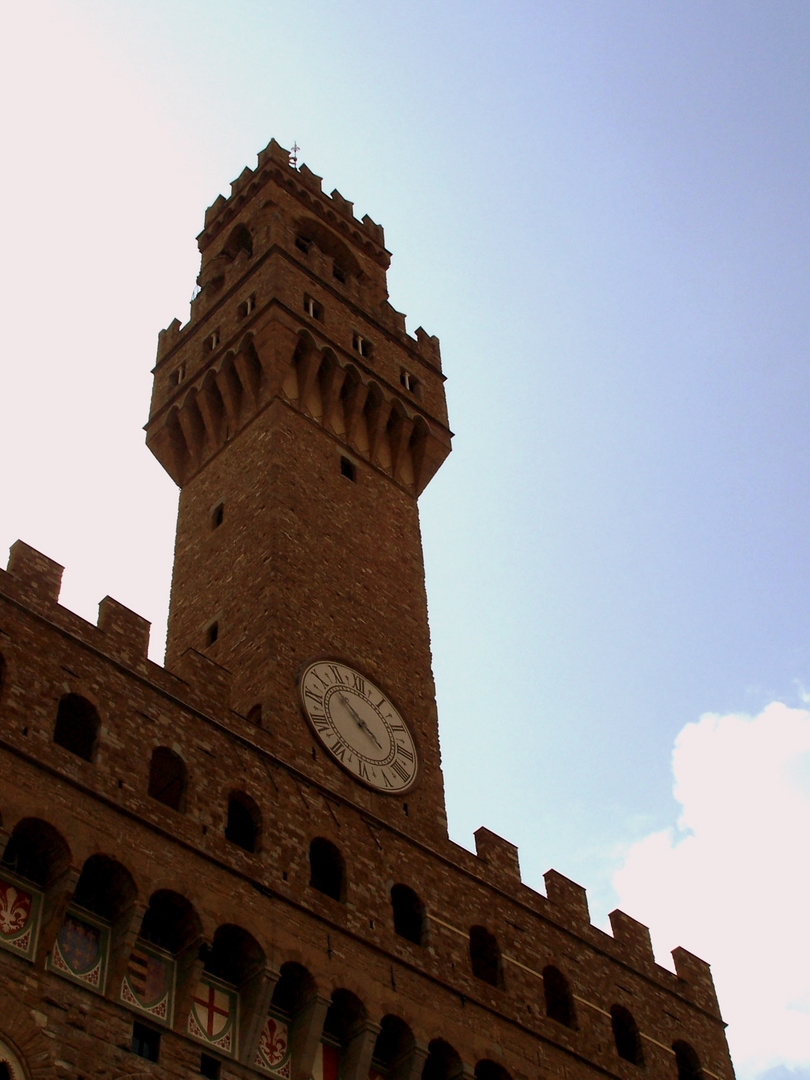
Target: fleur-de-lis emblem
column 15, row 907
column 274, row 1042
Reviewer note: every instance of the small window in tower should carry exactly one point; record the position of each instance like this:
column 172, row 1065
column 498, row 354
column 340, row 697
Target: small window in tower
column 409, row 914
column 213, row 341
column 244, row 821
column 77, row 724
column 626, row 1035
column 313, row 308
column 255, row 715
column 338, row 272
column 409, row 382
column 303, row 243
column 327, row 870
column 178, row 374
column 145, row 1042
column 485, row 956
column 347, row 469
column 246, row 307
column 217, row 515
column 212, row 633
column 167, row 778
column 209, row 1066
column 362, row 345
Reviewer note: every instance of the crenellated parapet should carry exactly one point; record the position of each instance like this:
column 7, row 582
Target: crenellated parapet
column 293, row 306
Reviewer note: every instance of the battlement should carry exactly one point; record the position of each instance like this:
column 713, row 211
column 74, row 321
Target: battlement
column 274, row 162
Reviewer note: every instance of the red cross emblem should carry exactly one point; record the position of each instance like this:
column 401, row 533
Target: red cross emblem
column 212, row 1009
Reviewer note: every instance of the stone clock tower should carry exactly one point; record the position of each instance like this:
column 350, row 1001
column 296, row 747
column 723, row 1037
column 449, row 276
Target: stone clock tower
column 237, row 865
column 301, row 422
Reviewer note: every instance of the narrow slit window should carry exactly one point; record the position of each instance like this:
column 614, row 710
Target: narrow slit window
column 348, row 469
column 179, row 374
column 217, row 515
column 338, row 272
column 212, row 633
column 213, row 341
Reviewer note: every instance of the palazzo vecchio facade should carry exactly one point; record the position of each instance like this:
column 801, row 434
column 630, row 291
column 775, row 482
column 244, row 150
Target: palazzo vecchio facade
column 237, row 865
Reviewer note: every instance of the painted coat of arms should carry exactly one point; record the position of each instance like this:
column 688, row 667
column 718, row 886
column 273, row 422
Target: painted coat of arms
column 214, row 1014
column 20, row 906
column 148, row 985
column 80, row 950
column 273, row 1055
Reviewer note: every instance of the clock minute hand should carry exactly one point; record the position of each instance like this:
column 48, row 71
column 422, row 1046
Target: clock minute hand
column 359, row 720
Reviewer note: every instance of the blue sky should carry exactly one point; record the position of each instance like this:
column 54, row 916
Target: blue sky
column 602, row 211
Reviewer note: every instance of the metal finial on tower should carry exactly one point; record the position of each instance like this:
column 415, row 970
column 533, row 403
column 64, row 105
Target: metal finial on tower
column 294, row 155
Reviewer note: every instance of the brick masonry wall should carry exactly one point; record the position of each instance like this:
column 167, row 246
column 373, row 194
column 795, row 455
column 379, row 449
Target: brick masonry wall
column 103, row 807
column 254, row 405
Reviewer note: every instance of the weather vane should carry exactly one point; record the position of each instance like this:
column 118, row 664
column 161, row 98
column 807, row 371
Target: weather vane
column 294, row 155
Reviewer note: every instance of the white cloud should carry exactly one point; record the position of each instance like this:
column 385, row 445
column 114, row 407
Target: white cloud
column 731, row 882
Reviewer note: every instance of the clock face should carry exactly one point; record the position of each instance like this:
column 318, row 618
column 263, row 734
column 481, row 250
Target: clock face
column 359, row 726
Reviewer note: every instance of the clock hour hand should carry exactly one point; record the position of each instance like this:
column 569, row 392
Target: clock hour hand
column 359, row 720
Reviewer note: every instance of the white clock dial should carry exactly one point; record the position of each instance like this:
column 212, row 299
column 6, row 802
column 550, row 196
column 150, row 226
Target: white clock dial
column 359, row 726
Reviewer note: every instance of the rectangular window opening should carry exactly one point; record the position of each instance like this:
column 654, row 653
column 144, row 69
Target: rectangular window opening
column 408, row 381
column 348, row 469
column 246, row 307
column 303, row 243
column 212, row 633
column 210, row 1066
column 361, row 344
column 338, row 272
column 145, row 1042
column 217, row 515
column 313, row 308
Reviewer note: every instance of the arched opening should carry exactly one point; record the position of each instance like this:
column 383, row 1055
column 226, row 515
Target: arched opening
column 105, row 888
column 327, row 872
column 238, row 240
column 393, row 1048
column 36, row 852
column 170, row 930
column 344, row 1018
column 235, row 956
column 167, row 778
column 442, row 1062
column 76, row 727
column 170, row 922
column 626, row 1035
column 687, row 1061
column 309, row 231
column 485, row 956
column 409, row 914
column 294, row 989
column 490, row 1070
column 244, row 821
column 559, row 999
